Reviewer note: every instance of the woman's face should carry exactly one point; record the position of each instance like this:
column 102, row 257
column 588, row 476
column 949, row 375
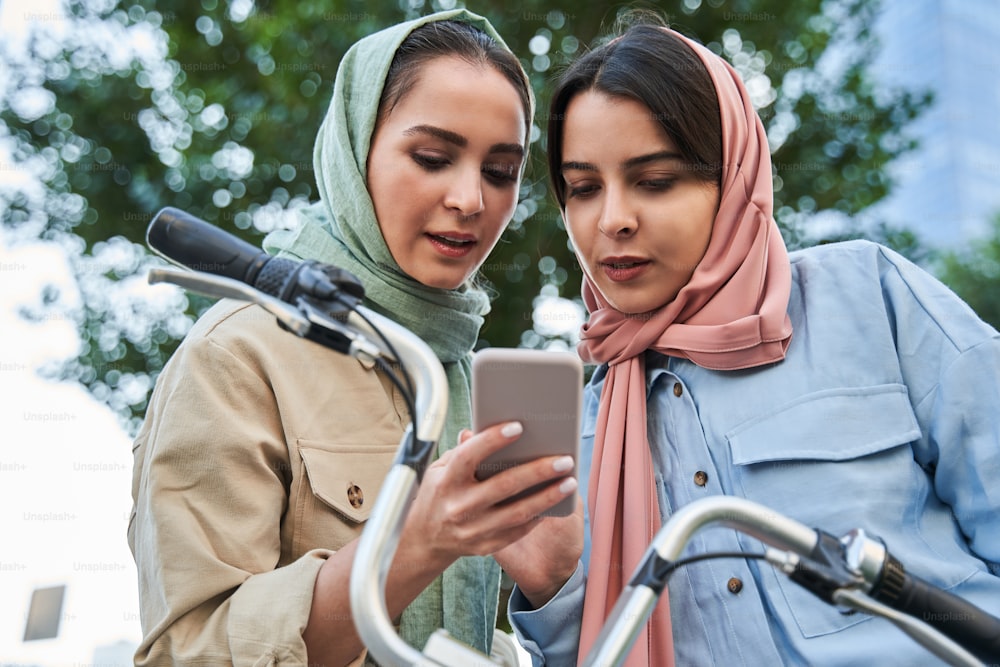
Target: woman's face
column 443, row 170
column 637, row 214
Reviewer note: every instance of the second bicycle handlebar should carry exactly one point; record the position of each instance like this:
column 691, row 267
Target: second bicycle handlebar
column 862, row 565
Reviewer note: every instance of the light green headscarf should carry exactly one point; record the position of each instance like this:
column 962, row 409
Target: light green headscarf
column 341, row 229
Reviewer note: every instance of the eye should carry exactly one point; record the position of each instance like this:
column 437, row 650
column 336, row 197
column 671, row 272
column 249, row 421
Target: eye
column 430, row 162
column 500, row 173
column 581, row 191
column 657, row 184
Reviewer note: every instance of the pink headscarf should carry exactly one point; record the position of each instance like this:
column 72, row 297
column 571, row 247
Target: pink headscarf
column 730, row 315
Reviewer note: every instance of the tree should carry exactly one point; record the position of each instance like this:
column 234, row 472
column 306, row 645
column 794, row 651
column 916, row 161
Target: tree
column 831, row 132
column 119, row 109
column 974, row 274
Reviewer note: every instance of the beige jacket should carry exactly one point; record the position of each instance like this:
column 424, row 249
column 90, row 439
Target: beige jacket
column 261, row 453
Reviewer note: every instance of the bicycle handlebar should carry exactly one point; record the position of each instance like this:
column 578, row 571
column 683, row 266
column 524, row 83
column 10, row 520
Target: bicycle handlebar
column 793, row 548
column 807, row 555
column 637, row 600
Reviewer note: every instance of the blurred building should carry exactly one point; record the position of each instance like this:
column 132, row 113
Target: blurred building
column 948, row 189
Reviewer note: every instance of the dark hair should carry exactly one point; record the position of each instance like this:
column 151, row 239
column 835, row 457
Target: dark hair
column 653, row 67
column 451, row 38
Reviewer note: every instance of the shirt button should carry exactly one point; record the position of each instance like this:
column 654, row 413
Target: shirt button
column 355, row 496
column 678, row 389
column 701, row 478
column 734, row 585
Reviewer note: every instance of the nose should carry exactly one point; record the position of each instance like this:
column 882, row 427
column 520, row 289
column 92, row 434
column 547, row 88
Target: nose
column 618, row 217
column 465, row 192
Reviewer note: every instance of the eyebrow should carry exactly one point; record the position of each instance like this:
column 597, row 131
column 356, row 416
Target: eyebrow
column 460, row 141
column 628, row 164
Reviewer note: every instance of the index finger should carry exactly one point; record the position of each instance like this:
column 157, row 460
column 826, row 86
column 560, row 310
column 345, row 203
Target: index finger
column 476, row 447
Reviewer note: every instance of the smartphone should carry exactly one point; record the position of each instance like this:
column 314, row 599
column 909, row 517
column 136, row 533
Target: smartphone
column 542, row 389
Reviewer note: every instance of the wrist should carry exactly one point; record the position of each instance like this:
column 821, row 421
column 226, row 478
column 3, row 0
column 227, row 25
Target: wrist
column 539, row 593
column 414, row 558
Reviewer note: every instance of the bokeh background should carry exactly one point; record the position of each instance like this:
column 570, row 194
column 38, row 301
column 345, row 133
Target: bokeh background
column 879, row 113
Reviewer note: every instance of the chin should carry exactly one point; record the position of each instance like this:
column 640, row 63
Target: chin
column 444, row 282
column 635, row 309
column 638, row 305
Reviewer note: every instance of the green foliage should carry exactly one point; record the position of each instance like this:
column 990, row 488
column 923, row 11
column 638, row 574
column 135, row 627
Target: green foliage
column 974, row 274
column 215, row 106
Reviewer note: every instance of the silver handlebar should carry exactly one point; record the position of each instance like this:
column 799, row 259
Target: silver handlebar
column 378, row 542
column 636, row 603
column 788, row 540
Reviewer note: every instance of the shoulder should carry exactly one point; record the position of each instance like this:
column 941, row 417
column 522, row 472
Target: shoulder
column 860, row 259
column 237, row 360
column 230, row 333
column 236, row 334
column 230, row 320
column 861, row 271
column 845, row 255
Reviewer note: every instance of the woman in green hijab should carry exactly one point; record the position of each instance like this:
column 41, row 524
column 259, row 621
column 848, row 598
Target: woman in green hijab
column 261, row 453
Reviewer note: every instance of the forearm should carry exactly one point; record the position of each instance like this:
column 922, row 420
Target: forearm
column 542, row 562
column 330, row 636
column 455, row 515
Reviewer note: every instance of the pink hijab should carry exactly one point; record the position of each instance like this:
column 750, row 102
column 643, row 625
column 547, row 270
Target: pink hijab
column 730, row 315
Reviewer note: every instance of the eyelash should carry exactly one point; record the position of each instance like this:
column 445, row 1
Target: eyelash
column 501, row 175
column 581, row 191
column 659, row 184
column 653, row 184
column 429, row 163
column 498, row 176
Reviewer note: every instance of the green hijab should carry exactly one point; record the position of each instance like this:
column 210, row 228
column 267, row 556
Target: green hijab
column 341, row 229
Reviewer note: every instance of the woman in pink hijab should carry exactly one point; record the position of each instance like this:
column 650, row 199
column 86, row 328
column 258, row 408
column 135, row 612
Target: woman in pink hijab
column 839, row 385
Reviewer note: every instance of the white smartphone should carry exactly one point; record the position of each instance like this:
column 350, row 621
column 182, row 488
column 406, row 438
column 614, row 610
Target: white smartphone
column 542, row 389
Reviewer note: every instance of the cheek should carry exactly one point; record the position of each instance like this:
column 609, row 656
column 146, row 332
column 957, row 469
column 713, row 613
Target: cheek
column 580, row 239
column 704, row 229
column 398, row 194
column 502, row 205
column 377, row 181
column 694, row 217
column 577, row 234
column 502, row 200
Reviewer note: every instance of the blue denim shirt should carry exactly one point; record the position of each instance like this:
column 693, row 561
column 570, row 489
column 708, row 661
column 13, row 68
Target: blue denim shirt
column 884, row 415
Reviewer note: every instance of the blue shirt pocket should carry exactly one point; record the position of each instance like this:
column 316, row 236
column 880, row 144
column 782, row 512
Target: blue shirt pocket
column 833, row 460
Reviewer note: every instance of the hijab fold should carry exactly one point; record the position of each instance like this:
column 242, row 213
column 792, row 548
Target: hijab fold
column 341, row 229
column 732, row 314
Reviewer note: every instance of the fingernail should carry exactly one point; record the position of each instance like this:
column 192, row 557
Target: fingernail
column 510, row 429
column 563, row 464
column 568, row 485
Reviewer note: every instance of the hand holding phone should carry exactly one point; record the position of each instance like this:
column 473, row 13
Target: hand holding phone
column 542, row 389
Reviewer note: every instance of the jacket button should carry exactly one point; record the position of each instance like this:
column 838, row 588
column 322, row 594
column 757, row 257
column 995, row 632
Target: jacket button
column 355, row 496
column 734, row 585
column 678, row 389
column 701, row 478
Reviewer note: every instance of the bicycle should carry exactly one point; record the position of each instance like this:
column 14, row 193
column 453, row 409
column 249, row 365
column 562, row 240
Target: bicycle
column 323, row 303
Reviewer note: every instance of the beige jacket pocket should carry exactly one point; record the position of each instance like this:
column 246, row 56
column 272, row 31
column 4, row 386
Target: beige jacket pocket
column 346, row 478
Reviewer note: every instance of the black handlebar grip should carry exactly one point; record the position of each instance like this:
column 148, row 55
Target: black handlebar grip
column 200, row 246
column 960, row 620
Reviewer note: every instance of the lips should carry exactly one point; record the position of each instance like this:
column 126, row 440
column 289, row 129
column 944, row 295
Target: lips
column 457, row 240
column 623, row 269
column 452, row 244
